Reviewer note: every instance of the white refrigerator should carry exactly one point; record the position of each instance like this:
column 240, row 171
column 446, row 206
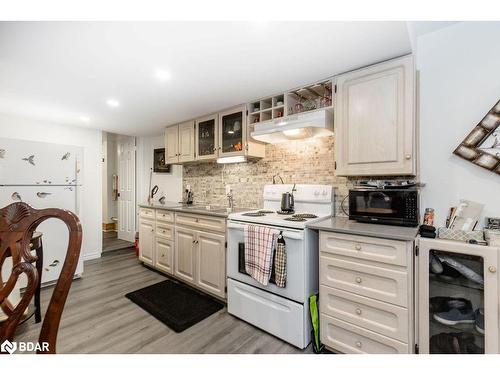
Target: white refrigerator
column 44, row 175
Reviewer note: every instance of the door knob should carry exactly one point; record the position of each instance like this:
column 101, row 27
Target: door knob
column 358, row 280
column 408, row 156
column 492, row 269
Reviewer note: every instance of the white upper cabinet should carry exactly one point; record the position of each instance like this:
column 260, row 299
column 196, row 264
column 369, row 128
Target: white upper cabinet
column 375, row 121
column 232, row 132
column 207, row 138
column 186, row 141
column 179, row 143
column 172, row 144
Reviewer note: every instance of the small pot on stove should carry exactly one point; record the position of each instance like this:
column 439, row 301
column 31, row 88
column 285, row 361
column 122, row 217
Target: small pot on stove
column 287, row 201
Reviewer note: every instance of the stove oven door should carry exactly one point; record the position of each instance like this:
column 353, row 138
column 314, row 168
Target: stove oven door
column 296, row 262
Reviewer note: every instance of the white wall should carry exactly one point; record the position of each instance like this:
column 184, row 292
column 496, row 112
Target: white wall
column 459, row 82
column 91, row 141
column 170, row 184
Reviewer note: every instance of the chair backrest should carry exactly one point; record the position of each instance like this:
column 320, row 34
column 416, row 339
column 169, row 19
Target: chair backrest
column 18, row 221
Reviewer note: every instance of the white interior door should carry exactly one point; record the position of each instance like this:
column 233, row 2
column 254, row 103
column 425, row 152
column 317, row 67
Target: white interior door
column 126, row 188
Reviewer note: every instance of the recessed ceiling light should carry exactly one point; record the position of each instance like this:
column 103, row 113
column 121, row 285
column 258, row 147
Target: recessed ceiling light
column 162, row 75
column 84, row 118
column 113, row 103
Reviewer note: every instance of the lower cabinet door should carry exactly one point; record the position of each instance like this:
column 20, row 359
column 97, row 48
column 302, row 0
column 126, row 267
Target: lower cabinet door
column 211, row 262
column 164, row 255
column 146, row 241
column 184, row 258
column 351, row 339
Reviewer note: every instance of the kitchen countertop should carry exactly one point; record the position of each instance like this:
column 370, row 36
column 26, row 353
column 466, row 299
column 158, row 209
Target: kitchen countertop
column 193, row 209
column 344, row 225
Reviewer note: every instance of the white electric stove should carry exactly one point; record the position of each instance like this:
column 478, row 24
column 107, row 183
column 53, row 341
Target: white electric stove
column 282, row 312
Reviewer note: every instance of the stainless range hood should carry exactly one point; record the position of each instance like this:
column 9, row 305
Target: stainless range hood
column 318, row 123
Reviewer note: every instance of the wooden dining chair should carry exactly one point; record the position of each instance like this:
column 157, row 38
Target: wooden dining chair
column 18, row 221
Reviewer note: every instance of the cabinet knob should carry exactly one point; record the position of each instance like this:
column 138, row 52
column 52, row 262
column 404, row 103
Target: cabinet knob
column 31, row 246
column 358, row 280
column 492, row 269
column 359, row 344
column 357, row 247
column 162, row 255
column 358, row 311
column 408, row 156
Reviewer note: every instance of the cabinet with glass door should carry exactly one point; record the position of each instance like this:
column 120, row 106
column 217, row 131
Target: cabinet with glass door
column 232, row 132
column 234, row 135
column 207, row 138
column 458, row 298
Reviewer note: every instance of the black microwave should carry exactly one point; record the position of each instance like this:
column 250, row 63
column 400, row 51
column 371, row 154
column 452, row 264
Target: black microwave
column 385, row 206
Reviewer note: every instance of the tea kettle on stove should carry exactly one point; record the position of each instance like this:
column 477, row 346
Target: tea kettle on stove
column 287, row 201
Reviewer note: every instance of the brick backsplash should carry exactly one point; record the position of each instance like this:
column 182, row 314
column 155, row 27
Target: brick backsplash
column 308, row 161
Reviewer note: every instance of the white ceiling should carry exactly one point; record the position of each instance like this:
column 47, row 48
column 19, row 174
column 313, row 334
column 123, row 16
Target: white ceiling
column 61, row 71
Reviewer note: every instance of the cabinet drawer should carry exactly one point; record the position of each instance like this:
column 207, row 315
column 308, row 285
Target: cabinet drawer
column 369, row 280
column 347, row 338
column 166, row 216
column 202, row 222
column 147, row 213
column 389, row 320
column 375, row 249
column 165, row 231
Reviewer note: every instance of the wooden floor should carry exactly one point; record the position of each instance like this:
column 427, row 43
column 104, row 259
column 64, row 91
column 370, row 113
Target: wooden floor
column 110, row 242
column 99, row 319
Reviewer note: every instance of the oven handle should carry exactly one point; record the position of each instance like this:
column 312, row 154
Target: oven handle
column 285, row 233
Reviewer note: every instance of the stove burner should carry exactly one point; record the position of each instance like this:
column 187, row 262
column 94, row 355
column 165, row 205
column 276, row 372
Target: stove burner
column 265, row 212
column 285, row 212
column 305, row 216
column 294, row 218
column 254, row 214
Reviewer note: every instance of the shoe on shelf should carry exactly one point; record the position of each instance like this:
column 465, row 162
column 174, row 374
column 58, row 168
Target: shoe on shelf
column 443, row 304
column 479, row 315
column 456, row 316
column 461, row 268
column 454, row 343
column 449, row 273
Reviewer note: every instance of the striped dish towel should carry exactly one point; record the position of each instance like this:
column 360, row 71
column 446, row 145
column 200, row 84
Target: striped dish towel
column 259, row 248
column 280, row 263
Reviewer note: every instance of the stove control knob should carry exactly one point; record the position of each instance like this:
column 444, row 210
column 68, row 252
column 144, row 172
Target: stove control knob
column 316, row 193
column 325, row 192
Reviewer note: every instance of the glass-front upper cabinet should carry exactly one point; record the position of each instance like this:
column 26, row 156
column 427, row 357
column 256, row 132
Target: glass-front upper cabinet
column 232, row 132
column 207, row 138
column 458, row 297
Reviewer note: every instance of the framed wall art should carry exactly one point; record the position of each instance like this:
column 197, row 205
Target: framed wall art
column 159, row 165
column 482, row 145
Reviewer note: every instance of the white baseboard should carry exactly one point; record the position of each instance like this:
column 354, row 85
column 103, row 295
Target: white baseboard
column 90, row 256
